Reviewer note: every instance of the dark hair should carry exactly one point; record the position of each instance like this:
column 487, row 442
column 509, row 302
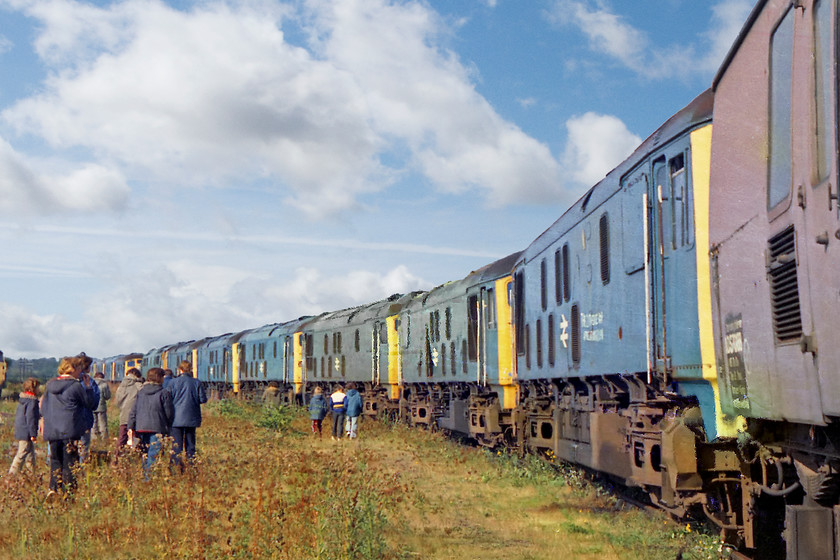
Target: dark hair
column 155, row 375
column 185, row 367
column 133, row 371
column 99, row 375
column 273, row 384
column 84, row 362
column 167, row 372
column 351, row 385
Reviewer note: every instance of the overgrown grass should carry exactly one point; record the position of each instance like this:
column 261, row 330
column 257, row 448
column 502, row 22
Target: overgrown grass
column 263, row 487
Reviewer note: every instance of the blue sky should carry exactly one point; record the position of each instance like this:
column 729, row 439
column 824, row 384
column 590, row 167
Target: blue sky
column 170, row 171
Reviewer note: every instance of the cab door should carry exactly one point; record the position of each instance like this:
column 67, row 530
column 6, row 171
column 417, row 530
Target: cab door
column 674, row 279
column 376, row 353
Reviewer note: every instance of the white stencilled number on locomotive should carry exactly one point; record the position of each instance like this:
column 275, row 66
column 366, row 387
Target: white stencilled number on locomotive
column 589, row 321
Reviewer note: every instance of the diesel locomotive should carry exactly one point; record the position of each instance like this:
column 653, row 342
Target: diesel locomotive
column 675, row 329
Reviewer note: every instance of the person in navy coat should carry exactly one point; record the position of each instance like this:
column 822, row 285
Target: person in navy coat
column 187, row 396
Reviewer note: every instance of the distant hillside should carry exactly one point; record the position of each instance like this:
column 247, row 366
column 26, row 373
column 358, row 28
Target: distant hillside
column 41, row 368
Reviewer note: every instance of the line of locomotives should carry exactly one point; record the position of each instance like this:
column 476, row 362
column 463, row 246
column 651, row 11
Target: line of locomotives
column 676, row 329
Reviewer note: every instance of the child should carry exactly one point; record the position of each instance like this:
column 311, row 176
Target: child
column 353, row 406
column 337, row 409
column 317, row 410
column 151, row 417
column 26, row 425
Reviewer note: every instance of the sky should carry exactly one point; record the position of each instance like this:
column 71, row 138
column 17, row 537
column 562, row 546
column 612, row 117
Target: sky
column 175, row 170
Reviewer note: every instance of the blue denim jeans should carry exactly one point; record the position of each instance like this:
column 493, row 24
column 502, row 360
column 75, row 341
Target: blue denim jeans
column 350, row 426
column 150, row 445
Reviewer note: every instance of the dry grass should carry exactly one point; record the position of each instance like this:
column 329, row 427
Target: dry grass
column 264, row 488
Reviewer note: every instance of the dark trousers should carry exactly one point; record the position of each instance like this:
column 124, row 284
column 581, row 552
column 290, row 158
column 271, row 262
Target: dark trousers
column 183, row 440
column 64, row 457
column 338, row 424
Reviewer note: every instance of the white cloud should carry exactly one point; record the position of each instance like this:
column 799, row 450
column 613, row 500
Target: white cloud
column 29, row 335
column 217, row 95
column 5, row 44
column 596, row 144
column 184, row 300
column 611, row 35
column 24, row 187
column 727, row 19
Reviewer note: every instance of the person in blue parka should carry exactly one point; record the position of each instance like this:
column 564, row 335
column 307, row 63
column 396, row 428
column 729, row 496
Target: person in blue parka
column 353, row 409
column 65, row 402
column 318, row 408
column 187, row 396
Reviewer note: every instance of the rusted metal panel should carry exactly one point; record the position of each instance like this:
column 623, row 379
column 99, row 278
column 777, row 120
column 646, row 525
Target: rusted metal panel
column 808, row 533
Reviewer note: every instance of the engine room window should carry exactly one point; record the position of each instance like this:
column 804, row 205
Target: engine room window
column 665, row 203
column 358, row 340
column 823, row 30
column 680, row 204
column 558, row 286
column 490, row 308
column 539, row 344
column 781, row 79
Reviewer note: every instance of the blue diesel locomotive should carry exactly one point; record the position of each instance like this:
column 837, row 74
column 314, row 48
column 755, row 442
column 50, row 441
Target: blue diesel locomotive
column 675, row 329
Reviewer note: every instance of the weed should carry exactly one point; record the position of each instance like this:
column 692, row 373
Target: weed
column 258, row 489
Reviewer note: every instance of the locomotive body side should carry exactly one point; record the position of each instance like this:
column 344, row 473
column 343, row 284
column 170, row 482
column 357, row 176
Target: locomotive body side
column 456, row 354
column 612, row 323
column 775, row 238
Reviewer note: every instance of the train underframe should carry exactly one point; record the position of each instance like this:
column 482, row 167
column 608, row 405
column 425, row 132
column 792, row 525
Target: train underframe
column 751, row 487
column 772, row 491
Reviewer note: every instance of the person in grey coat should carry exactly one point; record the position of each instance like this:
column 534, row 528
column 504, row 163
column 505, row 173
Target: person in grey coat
column 187, row 395
column 26, row 425
column 100, row 415
column 126, row 394
column 151, row 416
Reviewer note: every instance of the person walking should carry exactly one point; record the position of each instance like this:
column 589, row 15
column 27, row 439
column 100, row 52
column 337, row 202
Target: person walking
column 151, row 417
column 65, row 401
column 82, row 364
column 187, row 395
column 337, row 410
column 318, row 410
column 353, row 409
column 126, row 395
column 167, row 377
column 100, row 415
column 272, row 395
column 27, row 417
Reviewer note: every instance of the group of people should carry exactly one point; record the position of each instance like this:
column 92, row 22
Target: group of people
column 344, row 407
column 73, row 407
column 165, row 405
